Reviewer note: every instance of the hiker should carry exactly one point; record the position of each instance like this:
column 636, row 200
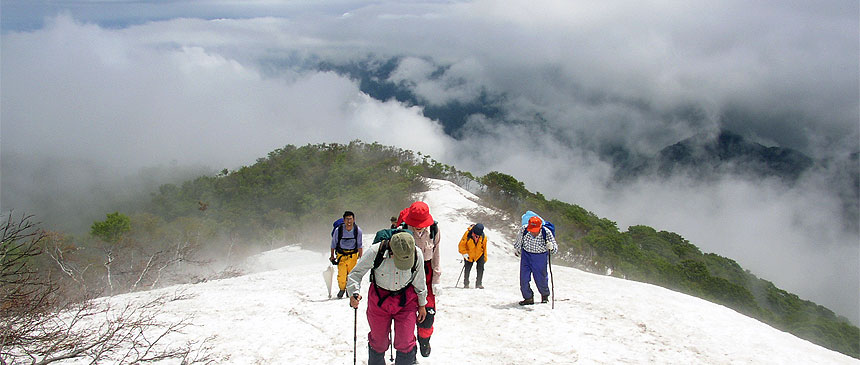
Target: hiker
column 426, row 233
column 396, row 292
column 534, row 244
column 473, row 247
column 393, row 223
column 346, row 249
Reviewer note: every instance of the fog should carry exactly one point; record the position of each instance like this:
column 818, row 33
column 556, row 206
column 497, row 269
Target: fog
column 114, row 88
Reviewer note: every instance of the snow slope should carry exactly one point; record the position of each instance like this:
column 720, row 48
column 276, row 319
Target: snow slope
column 280, row 313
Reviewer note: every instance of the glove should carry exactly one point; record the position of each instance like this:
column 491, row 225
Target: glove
column 466, row 256
column 550, row 246
column 436, row 289
column 333, row 260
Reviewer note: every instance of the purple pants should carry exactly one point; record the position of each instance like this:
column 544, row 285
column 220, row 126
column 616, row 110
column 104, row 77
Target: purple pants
column 533, row 264
column 379, row 319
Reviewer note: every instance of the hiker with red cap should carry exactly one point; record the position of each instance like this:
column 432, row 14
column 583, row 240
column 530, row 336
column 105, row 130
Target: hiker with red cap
column 426, row 233
column 534, row 243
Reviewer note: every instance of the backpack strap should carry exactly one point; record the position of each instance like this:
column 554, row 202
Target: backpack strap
column 339, row 237
column 340, row 229
column 380, row 256
column 434, row 228
column 542, row 230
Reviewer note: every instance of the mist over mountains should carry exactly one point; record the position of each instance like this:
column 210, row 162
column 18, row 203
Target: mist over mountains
column 704, row 156
column 594, row 105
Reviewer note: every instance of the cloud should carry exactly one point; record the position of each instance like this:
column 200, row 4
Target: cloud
column 791, row 236
column 111, row 97
column 224, row 85
column 435, row 85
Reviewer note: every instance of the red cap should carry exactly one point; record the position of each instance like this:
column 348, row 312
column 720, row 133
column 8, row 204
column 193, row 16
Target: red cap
column 534, row 224
column 402, row 216
column 418, row 215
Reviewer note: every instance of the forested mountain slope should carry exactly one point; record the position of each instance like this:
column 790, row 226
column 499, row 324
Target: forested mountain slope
column 294, row 193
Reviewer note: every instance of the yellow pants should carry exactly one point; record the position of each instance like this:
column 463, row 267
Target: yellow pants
column 344, row 266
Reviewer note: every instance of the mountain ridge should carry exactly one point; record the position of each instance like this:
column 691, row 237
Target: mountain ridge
column 706, row 155
column 294, row 192
column 595, row 319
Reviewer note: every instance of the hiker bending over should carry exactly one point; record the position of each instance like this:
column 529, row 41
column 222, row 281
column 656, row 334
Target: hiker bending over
column 473, row 247
column 426, row 233
column 397, row 291
column 346, row 244
column 534, row 242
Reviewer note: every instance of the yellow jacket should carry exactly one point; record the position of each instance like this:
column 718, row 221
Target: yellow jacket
column 474, row 249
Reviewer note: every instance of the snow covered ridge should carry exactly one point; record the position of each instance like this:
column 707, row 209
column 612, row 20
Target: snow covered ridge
column 280, row 313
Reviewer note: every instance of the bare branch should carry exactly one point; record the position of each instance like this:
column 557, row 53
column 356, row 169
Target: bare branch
column 41, row 327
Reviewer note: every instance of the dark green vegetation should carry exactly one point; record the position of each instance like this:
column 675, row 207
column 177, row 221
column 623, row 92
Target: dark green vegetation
column 666, row 259
column 294, row 193
column 296, row 190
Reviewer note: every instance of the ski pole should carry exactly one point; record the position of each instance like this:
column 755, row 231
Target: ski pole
column 354, row 330
column 391, row 349
column 552, row 285
column 461, row 274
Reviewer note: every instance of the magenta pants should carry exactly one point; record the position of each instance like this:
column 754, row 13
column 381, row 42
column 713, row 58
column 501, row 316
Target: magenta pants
column 379, row 318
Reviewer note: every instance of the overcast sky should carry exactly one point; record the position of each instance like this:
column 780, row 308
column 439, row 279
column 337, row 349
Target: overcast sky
column 130, row 84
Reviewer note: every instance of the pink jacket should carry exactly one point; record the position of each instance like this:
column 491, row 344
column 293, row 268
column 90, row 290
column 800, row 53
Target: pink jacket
column 430, row 249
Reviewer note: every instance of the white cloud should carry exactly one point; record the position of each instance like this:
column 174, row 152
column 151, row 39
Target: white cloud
column 225, row 92
column 108, row 96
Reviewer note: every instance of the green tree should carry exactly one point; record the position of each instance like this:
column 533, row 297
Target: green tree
column 111, row 229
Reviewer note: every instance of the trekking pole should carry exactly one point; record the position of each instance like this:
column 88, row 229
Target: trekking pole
column 461, row 274
column 354, row 330
column 391, row 349
column 552, row 285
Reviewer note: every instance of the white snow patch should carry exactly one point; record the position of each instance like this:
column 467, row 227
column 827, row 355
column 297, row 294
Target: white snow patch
column 280, row 314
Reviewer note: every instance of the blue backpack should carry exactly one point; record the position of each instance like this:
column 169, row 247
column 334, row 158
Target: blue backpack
column 547, row 224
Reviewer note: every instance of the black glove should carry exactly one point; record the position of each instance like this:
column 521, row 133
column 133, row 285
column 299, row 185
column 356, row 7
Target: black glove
column 333, row 261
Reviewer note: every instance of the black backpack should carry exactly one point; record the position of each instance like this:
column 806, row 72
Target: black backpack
column 434, row 229
column 380, row 256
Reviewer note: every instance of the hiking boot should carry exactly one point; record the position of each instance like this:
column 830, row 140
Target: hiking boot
column 527, row 301
column 479, row 286
column 375, row 358
column 406, row 358
column 340, row 294
column 424, row 344
column 465, row 285
column 544, row 298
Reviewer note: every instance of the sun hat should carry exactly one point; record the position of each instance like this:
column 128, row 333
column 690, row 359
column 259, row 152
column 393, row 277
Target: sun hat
column 402, row 250
column 418, row 215
column 402, row 215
